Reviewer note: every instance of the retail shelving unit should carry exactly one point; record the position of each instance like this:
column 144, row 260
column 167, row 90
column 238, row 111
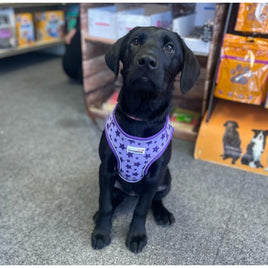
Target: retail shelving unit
column 38, row 45
column 99, row 81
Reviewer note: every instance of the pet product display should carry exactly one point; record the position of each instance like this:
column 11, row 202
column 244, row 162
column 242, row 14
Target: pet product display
column 7, row 28
column 235, row 136
column 252, row 17
column 49, row 25
column 243, row 69
column 25, row 29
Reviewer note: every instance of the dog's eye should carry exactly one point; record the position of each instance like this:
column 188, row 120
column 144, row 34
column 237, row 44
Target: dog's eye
column 135, row 42
column 169, row 48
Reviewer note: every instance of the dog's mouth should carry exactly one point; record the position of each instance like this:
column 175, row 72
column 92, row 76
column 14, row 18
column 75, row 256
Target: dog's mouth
column 140, row 81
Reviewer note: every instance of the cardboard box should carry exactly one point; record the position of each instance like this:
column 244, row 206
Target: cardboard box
column 49, row 25
column 153, row 15
column 197, row 45
column 103, row 21
column 184, row 25
column 204, row 12
column 7, row 28
column 25, row 29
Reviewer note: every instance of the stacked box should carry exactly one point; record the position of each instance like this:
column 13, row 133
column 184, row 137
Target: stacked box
column 25, row 29
column 150, row 15
column 112, row 22
column 103, row 21
column 7, row 28
column 49, row 25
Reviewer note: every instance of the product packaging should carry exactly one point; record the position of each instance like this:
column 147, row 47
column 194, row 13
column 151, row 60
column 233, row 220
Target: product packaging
column 25, row 29
column 243, row 70
column 7, row 28
column 49, row 25
column 252, row 17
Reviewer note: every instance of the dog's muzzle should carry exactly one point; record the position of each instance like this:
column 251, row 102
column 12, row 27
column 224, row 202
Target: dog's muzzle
column 147, row 62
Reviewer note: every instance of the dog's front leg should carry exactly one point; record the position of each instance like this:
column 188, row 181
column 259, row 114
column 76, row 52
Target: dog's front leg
column 101, row 235
column 137, row 238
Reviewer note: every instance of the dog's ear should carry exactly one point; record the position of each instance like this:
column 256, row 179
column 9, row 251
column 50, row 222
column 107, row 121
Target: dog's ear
column 236, row 124
column 112, row 57
column 190, row 69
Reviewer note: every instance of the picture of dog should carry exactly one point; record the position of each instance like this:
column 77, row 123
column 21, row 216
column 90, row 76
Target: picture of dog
column 231, row 141
column 255, row 149
column 135, row 146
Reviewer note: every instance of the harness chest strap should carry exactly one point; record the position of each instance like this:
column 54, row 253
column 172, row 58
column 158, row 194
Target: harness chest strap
column 135, row 155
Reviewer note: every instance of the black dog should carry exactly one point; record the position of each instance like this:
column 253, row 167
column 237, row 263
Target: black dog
column 231, row 141
column 151, row 58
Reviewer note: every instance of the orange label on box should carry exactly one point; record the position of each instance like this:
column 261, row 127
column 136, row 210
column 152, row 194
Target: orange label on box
column 243, row 70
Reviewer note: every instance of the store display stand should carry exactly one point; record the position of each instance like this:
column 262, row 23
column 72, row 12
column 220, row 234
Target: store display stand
column 37, row 45
column 226, row 134
column 99, row 82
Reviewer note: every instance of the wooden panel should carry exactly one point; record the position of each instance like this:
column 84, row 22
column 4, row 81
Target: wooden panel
column 94, row 65
column 98, row 80
column 98, row 96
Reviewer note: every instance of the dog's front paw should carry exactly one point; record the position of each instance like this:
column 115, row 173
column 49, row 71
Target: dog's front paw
column 136, row 241
column 161, row 214
column 100, row 239
column 166, row 218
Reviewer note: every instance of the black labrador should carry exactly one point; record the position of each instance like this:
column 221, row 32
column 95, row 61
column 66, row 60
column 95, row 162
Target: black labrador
column 151, row 58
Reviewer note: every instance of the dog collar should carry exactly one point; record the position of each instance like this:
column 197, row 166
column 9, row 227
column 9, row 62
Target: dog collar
column 135, row 155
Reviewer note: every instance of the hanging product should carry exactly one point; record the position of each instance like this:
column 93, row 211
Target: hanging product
column 243, row 70
column 252, row 17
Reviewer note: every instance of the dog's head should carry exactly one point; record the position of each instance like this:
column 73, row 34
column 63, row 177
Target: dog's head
column 231, row 126
column 151, row 58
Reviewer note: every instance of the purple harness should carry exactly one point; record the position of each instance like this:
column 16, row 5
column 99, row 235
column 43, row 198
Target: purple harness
column 135, row 154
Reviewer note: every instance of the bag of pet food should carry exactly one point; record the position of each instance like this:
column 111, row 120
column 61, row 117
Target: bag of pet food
column 252, row 17
column 243, row 69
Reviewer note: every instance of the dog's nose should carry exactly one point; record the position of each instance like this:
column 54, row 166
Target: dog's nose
column 147, row 61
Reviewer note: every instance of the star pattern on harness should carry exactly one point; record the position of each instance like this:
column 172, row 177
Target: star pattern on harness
column 134, row 154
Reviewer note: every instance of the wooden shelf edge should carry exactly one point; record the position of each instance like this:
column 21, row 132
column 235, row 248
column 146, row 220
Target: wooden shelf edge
column 179, row 131
column 98, row 112
column 36, row 46
column 112, row 41
column 99, row 40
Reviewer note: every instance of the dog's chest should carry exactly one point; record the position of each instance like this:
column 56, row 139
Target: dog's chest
column 257, row 149
column 135, row 155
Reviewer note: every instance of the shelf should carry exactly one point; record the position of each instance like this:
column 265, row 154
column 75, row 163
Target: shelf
column 100, row 40
column 202, row 49
column 36, row 46
column 181, row 131
column 27, row 5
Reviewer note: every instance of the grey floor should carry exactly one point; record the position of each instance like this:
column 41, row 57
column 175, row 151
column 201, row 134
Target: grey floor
column 49, row 186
